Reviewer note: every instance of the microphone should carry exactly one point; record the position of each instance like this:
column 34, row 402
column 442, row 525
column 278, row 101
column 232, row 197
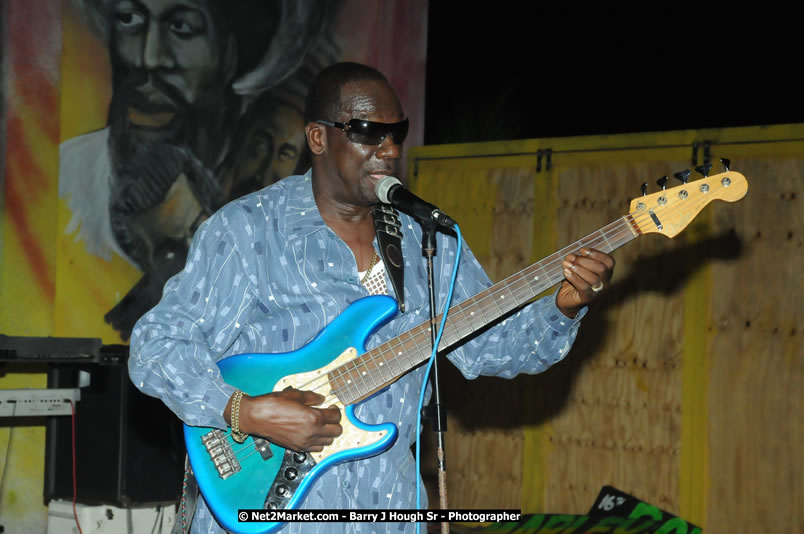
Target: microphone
column 391, row 191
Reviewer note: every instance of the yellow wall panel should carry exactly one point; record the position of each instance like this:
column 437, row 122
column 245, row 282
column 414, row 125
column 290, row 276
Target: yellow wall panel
column 682, row 388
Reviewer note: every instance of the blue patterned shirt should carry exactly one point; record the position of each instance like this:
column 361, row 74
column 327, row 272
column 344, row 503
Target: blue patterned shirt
column 265, row 274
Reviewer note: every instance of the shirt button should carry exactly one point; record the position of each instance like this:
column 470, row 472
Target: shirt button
column 351, row 280
column 345, row 484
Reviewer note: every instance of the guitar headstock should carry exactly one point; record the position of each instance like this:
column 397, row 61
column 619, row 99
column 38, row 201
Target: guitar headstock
column 669, row 211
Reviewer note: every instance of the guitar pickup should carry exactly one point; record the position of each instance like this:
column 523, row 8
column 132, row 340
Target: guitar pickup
column 221, row 453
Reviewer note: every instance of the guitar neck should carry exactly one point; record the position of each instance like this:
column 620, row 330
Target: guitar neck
column 384, row 364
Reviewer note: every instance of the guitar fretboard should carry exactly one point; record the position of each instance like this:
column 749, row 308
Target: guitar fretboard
column 375, row 369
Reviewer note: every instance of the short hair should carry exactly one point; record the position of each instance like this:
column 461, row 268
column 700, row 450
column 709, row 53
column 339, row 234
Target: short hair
column 324, row 97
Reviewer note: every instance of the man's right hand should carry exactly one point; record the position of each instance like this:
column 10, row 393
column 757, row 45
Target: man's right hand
column 289, row 419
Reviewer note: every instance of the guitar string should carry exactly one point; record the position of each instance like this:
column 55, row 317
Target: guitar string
column 520, row 290
column 619, row 232
column 366, row 359
column 623, row 232
column 248, row 448
column 346, row 369
column 528, row 292
column 349, row 368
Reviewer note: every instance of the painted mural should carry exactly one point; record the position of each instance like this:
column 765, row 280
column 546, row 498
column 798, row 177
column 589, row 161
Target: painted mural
column 199, row 91
column 126, row 123
column 205, row 105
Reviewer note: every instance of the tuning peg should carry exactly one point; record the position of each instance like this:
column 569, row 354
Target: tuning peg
column 645, row 189
column 662, row 182
column 683, row 176
column 704, row 169
column 726, row 163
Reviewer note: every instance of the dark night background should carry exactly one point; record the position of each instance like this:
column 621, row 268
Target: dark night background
column 524, row 71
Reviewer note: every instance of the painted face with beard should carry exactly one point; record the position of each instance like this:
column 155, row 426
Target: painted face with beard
column 172, row 64
column 269, row 147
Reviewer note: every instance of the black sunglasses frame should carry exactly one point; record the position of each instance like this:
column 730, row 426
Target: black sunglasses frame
column 365, row 132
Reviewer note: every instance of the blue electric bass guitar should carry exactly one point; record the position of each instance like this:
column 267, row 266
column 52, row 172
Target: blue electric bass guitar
column 258, row 474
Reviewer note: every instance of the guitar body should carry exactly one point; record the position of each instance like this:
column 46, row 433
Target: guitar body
column 306, row 368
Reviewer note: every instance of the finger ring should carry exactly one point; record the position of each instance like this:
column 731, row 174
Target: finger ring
column 598, row 287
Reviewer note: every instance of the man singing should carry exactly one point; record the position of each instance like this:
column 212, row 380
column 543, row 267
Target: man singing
column 268, row 271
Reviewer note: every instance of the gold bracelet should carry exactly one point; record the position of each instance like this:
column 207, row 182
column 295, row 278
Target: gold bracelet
column 238, row 436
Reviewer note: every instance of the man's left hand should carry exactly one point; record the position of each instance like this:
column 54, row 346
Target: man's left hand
column 586, row 275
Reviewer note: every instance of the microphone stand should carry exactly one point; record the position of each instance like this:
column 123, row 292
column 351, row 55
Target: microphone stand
column 435, row 411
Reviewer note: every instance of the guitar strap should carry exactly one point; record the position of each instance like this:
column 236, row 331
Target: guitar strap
column 389, row 236
column 189, row 499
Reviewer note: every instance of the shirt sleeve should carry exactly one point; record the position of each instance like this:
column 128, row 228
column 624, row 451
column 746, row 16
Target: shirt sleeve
column 175, row 346
column 529, row 341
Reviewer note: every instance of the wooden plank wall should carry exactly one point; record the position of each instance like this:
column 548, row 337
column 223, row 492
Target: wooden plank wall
column 756, row 400
column 622, row 387
column 683, row 387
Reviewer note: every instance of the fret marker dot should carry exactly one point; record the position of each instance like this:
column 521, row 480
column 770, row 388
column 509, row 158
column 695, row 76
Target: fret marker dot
column 364, row 373
column 380, row 364
column 502, row 297
column 535, row 277
column 348, row 381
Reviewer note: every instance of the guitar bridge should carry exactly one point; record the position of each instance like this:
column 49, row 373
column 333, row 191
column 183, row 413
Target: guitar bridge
column 221, row 453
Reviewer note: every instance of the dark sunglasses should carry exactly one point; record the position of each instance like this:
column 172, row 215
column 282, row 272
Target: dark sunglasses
column 371, row 133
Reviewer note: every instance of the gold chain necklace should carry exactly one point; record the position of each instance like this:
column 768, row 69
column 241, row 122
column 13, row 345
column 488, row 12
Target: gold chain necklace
column 374, row 260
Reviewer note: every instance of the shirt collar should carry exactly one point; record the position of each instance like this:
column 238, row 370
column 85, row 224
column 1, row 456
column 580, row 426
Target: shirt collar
column 302, row 215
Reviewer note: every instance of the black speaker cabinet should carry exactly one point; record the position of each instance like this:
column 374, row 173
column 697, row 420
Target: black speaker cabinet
column 129, row 447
